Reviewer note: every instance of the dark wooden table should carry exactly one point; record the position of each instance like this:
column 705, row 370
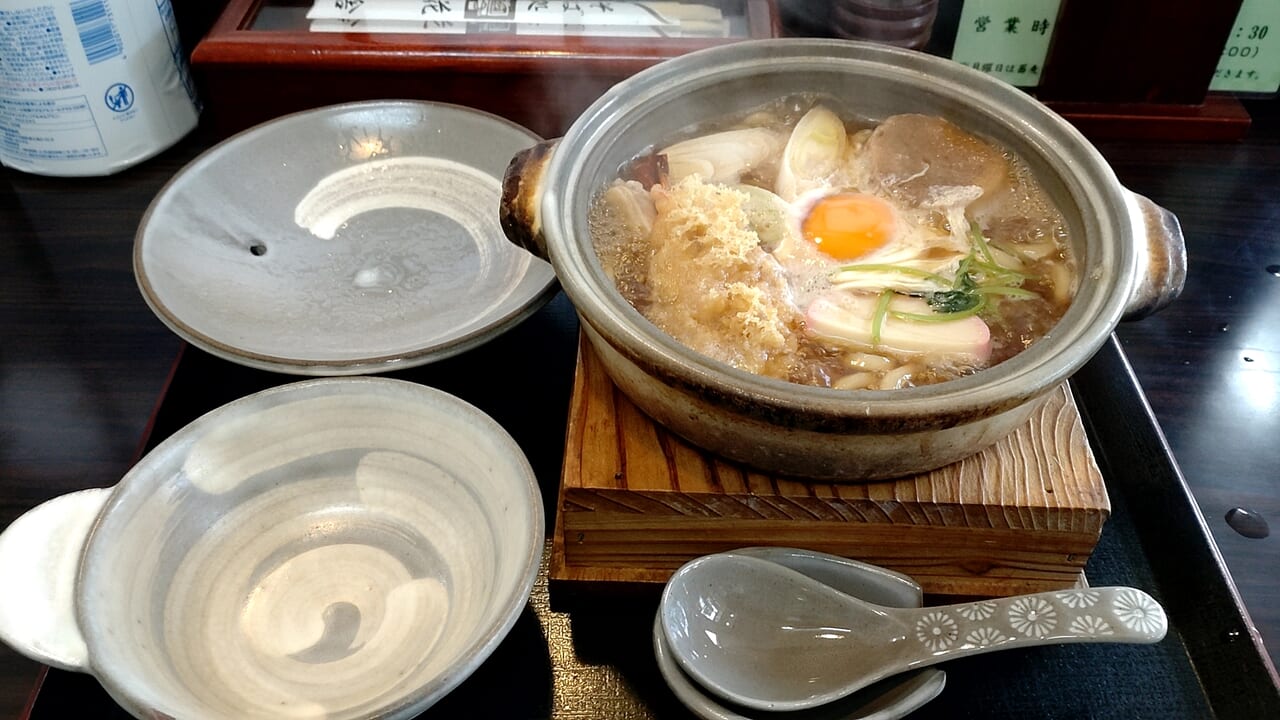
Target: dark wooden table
column 83, row 361
column 1210, row 363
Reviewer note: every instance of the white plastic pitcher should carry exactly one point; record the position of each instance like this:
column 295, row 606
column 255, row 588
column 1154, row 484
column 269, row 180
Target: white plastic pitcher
column 90, row 87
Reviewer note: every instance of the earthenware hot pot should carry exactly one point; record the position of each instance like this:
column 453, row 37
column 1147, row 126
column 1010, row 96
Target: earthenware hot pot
column 1131, row 254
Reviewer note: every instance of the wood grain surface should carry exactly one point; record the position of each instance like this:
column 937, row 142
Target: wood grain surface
column 638, row 501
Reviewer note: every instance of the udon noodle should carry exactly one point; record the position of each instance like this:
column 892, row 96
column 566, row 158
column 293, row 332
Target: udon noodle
column 803, row 243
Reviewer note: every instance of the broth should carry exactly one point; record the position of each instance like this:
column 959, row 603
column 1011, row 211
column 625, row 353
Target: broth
column 803, row 242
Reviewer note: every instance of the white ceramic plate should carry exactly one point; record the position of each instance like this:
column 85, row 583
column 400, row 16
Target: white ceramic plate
column 351, row 239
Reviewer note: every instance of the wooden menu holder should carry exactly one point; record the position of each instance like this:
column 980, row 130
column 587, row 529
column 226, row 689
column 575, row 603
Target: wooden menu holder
column 1133, row 70
column 636, row 502
column 1138, row 69
column 252, row 70
column 1141, row 69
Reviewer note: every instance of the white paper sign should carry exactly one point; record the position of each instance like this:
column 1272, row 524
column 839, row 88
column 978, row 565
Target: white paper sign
column 452, row 27
column 1251, row 60
column 1007, row 39
column 659, row 13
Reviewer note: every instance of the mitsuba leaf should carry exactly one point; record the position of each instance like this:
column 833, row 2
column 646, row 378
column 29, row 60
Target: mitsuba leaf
column 964, row 297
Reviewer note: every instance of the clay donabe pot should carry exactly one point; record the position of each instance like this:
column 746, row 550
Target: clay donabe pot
column 1130, row 252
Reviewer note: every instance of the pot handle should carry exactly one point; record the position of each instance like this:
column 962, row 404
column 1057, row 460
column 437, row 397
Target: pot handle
column 39, row 563
column 520, row 212
column 1162, row 259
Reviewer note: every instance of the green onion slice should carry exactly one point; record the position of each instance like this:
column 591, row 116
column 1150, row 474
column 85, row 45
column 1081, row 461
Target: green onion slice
column 884, row 268
column 1006, row 291
column 980, row 242
column 877, row 319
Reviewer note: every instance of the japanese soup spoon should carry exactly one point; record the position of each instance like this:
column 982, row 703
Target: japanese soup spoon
column 767, row 637
column 891, row 698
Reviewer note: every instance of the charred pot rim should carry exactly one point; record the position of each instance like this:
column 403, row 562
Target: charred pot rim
column 518, row 212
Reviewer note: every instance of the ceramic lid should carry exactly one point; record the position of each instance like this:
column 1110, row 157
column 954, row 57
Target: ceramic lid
column 350, row 239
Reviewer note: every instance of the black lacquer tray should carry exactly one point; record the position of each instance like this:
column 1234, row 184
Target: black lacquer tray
column 578, row 660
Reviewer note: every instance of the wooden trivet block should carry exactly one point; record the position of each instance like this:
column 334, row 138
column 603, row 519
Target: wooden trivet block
column 637, row 501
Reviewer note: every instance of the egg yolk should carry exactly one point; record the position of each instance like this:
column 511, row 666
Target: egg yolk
column 847, row 226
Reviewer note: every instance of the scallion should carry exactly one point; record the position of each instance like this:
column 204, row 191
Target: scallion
column 877, row 319
column 1006, row 291
column 913, row 272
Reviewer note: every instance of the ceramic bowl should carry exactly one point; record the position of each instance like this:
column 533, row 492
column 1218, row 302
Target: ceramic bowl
column 336, row 548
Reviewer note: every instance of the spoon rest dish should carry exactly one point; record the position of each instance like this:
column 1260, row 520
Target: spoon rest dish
column 765, row 636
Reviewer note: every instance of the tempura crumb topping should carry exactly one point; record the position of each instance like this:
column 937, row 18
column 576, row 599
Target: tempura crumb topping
column 714, row 288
